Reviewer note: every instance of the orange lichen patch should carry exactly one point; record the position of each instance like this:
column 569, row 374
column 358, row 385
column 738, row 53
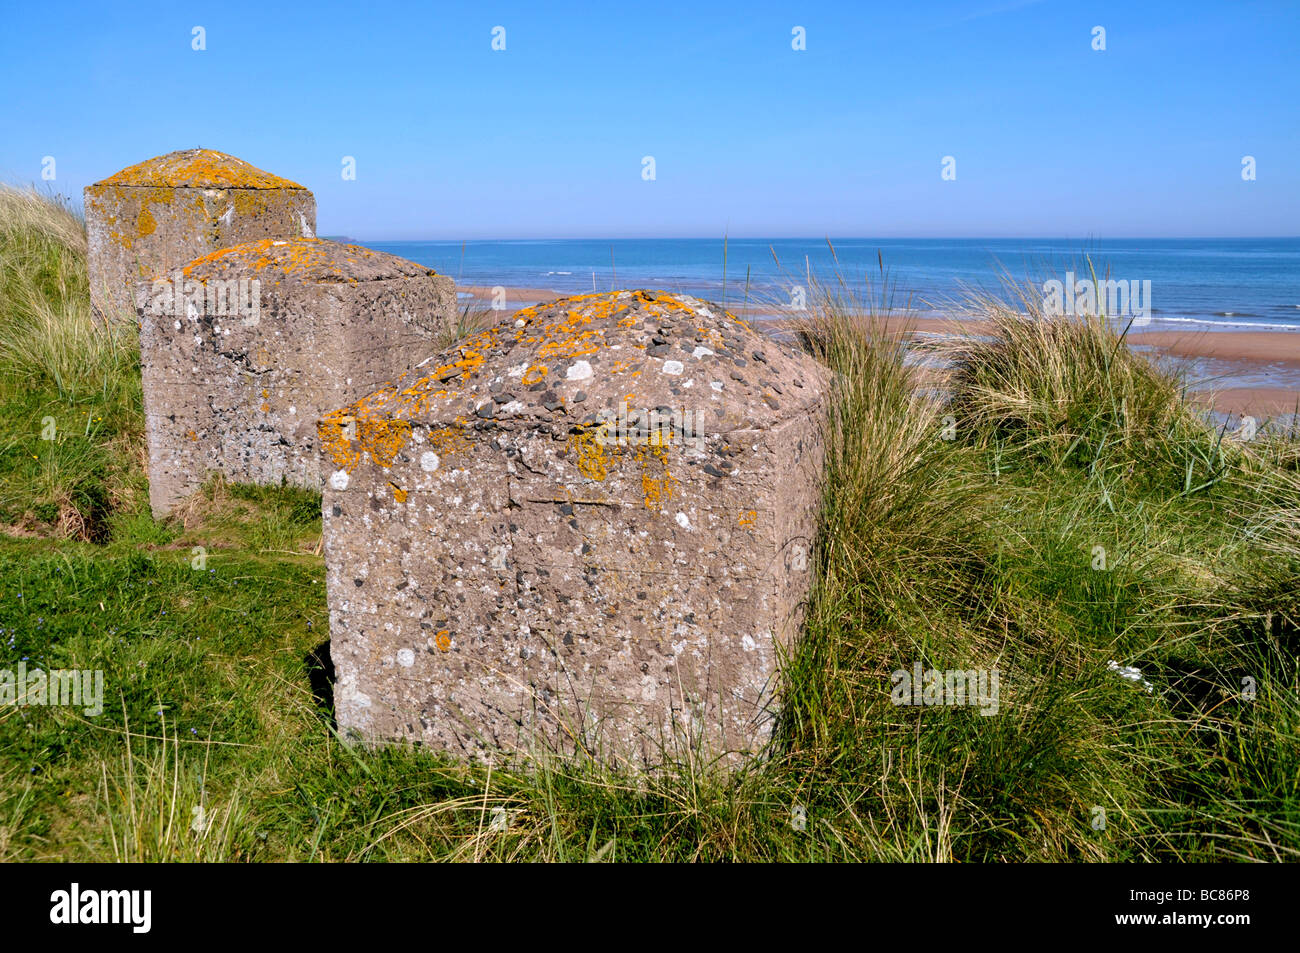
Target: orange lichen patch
column 534, row 374
column 594, row 456
column 591, row 456
column 288, row 256
column 442, row 640
column 383, row 438
column 747, row 518
column 657, row 484
column 192, row 435
column 398, row 493
column 380, row 438
column 446, row 440
column 144, row 223
column 198, row 169
column 333, row 432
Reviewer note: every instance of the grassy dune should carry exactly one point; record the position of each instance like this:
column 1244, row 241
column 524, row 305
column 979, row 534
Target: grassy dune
column 1061, row 510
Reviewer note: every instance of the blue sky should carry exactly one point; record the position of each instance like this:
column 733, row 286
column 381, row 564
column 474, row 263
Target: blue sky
column 750, row 137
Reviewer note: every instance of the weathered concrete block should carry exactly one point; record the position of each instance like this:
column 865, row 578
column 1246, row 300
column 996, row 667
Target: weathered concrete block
column 153, row 217
column 517, row 564
column 243, row 350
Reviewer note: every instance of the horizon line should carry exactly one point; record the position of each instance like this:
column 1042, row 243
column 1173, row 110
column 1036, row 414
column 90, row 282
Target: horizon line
column 822, row 238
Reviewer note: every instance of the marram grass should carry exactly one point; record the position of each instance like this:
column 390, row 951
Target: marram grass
column 1046, row 508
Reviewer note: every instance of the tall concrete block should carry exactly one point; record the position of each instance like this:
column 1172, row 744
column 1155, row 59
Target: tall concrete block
column 586, row 529
column 154, row 217
column 243, row 350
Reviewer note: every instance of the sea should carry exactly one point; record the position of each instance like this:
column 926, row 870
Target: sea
column 1232, row 284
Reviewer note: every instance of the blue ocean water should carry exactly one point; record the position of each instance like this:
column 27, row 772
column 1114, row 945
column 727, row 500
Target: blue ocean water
column 1219, row 283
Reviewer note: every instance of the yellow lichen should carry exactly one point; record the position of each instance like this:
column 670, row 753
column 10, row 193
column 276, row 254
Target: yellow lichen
column 285, row 256
column 590, row 455
column 198, row 168
column 658, row 486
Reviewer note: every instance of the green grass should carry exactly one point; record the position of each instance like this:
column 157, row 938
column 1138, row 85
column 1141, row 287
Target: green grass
column 960, row 535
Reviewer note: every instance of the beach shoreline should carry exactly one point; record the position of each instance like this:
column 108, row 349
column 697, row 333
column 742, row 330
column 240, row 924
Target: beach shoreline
column 1234, row 372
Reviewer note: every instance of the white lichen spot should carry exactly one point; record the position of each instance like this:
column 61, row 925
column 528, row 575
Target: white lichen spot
column 176, row 325
column 405, row 658
column 683, row 521
column 293, row 409
column 701, row 352
column 673, row 367
column 716, row 385
column 514, row 407
column 748, row 644
column 339, row 480
column 428, row 461
column 517, row 370
column 578, row 371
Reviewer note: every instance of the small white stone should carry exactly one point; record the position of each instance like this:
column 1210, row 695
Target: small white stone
column 701, row 352
column 673, row 367
column 578, row 371
column 683, row 521
column 339, row 480
column 716, row 385
column 405, row 658
column 176, row 325
column 428, row 461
